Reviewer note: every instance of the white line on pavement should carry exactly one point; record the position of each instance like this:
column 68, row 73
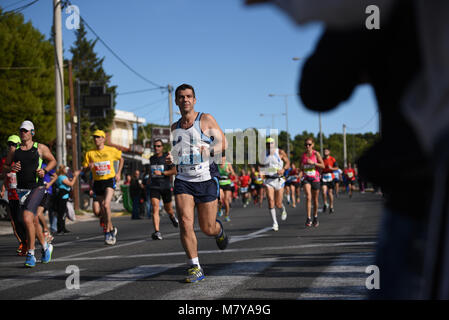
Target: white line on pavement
column 107, row 283
column 216, row 251
column 334, row 282
column 217, row 284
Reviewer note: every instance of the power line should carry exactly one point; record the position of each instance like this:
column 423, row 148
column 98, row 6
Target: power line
column 115, row 54
column 137, row 91
column 13, row 4
column 365, row 125
column 149, row 104
column 20, row 9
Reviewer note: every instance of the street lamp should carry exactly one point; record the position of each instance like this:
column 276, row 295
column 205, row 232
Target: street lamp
column 272, row 115
column 286, row 115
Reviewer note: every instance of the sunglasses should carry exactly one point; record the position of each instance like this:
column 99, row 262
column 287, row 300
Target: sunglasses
column 95, row 137
column 157, row 146
column 307, row 144
column 24, row 130
column 11, row 144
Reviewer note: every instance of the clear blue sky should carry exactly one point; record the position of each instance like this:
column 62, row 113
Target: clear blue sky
column 233, row 55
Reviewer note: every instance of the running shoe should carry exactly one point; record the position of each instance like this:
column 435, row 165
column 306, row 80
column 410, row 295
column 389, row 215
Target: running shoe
column 195, row 274
column 331, row 210
column 284, row 215
column 46, row 254
column 19, row 249
column 227, row 219
column 114, row 231
column 109, row 238
column 174, row 221
column 30, row 261
column 220, row 212
column 315, row 222
column 325, row 207
column 275, row 227
column 156, row 236
column 222, row 238
column 308, row 222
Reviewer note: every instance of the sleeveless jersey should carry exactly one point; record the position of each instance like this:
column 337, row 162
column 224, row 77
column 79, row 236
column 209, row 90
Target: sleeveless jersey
column 158, row 164
column 272, row 164
column 30, row 161
column 309, row 170
column 224, row 179
column 187, row 153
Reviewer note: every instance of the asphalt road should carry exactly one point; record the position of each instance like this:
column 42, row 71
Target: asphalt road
column 328, row 262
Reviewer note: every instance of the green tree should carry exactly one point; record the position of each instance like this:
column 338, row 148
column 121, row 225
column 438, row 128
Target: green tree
column 26, row 79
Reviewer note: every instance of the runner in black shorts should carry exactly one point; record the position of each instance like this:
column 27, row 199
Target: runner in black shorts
column 28, row 159
column 197, row 142
column 160, row 187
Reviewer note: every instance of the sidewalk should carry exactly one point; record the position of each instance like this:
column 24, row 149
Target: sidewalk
column 117, row 211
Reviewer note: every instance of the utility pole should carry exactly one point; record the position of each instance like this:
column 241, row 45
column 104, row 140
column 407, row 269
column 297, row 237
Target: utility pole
column 286, row 116
column 286, row 124
column 345, row 158
column 59, row 84
column 170, row 104
column 74, row 123
column 321, row 134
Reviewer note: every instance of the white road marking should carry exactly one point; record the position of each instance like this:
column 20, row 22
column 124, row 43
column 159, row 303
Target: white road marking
column 335, row 283
column 27, row 279
column 250, row 236
column 217, row 284
column 107, row 283
column 216, row 251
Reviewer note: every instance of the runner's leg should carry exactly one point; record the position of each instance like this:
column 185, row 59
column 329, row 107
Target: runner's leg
column 185, row 206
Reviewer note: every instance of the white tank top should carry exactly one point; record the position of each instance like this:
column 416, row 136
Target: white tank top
column 272, row 163
column 187, row 153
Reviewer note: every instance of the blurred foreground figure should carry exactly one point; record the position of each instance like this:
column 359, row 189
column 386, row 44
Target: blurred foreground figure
column 406, row 61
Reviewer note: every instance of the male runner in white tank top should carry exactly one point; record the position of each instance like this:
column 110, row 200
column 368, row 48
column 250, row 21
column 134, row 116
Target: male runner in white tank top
column 196, row 137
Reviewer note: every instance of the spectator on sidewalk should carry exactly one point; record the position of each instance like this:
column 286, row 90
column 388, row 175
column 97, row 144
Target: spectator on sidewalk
column 136, row 189
column 63, row 185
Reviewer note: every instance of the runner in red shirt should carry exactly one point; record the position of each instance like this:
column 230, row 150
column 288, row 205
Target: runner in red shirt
column 244, row 182
column 349, row 172
column 13, row 200
column 327, row 180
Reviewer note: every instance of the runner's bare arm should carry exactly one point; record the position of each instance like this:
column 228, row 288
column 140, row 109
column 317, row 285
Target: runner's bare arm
column 46, row 154
column 170, row 172
column 120, row 168
column 284, row 158
column 319, row 163
column 211, row 128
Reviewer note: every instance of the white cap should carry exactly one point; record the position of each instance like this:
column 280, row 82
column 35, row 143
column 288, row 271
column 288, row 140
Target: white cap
column 27, row 125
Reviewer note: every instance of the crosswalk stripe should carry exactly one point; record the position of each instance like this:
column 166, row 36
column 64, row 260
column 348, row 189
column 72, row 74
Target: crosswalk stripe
column 28, row 279
column 217, row 284
column 107, row 283
column 343, row 279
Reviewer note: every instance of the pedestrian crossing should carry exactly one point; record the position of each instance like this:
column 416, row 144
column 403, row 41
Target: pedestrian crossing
column 343, row 279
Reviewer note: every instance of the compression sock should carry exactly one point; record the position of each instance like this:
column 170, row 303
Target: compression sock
column 273, row 215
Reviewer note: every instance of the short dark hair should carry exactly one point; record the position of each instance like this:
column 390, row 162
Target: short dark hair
column 184, row 86
column 158, row 140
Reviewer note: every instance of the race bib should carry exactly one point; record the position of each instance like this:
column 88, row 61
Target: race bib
column 102, row 168
column 327, row 177
column 350, row 174
column 244, row 190
column 291, row 178
column 309, row 170
column 157, row 168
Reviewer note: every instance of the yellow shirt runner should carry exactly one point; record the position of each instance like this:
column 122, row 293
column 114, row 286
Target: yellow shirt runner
column 103, row 162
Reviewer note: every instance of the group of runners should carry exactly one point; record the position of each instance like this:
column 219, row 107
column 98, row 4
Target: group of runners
column 202, row 181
